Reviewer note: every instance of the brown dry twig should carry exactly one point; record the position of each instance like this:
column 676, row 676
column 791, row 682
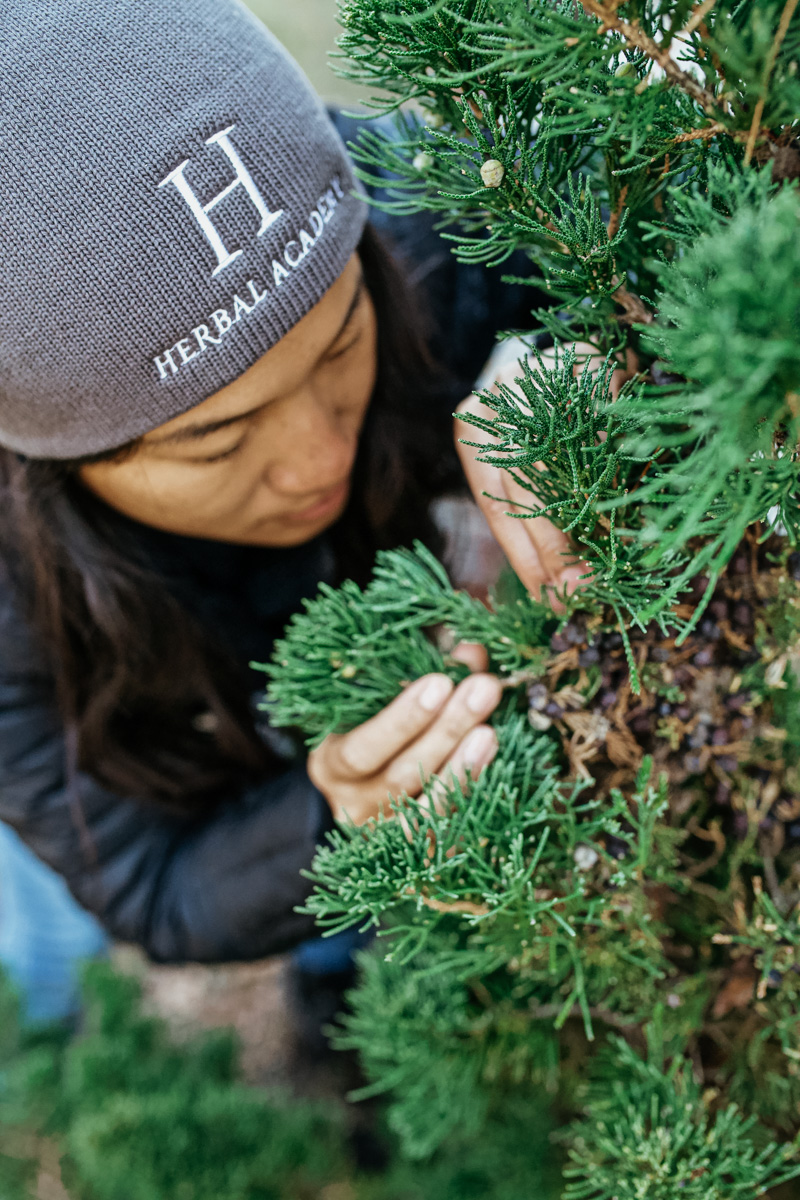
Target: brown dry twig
column 635, row 309
column 780, row 34
column 449, row 906
column 635, row 36
column 708, row 132
column 755, row 125
column 714, row 835
column 616, row 216
column 697, row 17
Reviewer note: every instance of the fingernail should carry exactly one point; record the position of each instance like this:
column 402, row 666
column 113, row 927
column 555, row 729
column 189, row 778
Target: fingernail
column 435, row 692
column 483, row 694
column 479, row 746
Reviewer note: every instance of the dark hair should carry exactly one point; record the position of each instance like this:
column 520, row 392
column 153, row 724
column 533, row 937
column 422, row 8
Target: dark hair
column 133, row 669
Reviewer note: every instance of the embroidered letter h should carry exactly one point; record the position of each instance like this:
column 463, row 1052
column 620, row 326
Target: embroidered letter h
column 200, row 212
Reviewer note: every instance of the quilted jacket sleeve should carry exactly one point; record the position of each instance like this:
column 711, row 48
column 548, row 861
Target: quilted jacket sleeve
column 216, row 889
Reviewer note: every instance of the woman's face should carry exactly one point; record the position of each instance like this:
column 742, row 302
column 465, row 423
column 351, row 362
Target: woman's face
column 267, row 460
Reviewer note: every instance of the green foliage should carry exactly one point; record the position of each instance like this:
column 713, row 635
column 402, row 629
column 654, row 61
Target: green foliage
column 427, row 1039
column 530, row 893
column 363, row 874
column 512, row 1159
column 27, row 1070
column 771, row 943
column 563, row 441
column 218, row 1142
column 139, row 1117
column 337, row 664
column 130, row 1114
column 729, row 321
column 647, row 1133
column 350, row 673
column 484, row 74
column 17, row 1176
column 610, row 201
column 607, row 868
column 416, row 1031
column 519, row 868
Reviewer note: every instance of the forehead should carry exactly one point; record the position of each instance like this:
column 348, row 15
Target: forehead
column 281, row 367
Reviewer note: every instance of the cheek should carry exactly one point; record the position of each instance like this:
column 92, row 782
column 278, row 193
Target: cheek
column 173, row 496
column 206, row 492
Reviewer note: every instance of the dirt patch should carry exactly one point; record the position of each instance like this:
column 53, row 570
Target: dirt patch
column 248, row 997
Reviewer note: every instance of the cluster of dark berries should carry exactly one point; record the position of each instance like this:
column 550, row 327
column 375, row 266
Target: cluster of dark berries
column 695, row 714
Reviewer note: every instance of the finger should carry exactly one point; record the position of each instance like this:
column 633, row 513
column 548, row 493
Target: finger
column 490, row 487
column 514, row 536
column 472, row 654
column 559, row 563
column 470, row 705
column 368, row 748
column 472, row 754
column 539, row 552
column 487, row 484
column 433, row 800
column 468, row 760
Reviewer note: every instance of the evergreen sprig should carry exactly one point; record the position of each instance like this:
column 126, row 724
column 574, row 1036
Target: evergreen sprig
column 521, row 870
column 475, row 858
column 562, row 440
column 726, row 438
column 352, row 650
column 648, row 1132
column 643, row 156
column 429, row 1041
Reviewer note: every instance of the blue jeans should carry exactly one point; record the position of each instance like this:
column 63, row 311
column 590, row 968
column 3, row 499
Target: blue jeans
column 45, row 935
column 332, row 955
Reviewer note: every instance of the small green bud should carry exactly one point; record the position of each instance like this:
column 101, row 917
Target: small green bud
column 625, row 68
column 349, row 671
column 492, row 173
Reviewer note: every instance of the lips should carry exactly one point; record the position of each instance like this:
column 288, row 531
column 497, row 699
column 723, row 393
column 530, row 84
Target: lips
column 327, row 504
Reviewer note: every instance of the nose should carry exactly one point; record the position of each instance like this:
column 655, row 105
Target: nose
column 315, row 452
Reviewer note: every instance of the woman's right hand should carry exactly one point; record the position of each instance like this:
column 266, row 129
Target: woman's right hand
column 537, row 550
column 431, row 728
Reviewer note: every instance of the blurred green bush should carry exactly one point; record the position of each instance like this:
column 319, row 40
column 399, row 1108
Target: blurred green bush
column 134, row 1116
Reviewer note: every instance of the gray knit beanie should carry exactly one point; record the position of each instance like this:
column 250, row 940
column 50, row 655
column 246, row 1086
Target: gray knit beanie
column 174, row 199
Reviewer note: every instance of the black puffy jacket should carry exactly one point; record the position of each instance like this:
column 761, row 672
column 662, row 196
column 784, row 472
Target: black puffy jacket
column 225, row 886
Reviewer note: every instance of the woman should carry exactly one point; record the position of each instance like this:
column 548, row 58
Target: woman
column 215, row 392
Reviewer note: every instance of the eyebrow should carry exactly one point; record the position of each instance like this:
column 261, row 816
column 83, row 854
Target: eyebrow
column 191, row 433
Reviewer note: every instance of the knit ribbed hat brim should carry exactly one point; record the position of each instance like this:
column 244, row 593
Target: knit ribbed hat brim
column 175, row 199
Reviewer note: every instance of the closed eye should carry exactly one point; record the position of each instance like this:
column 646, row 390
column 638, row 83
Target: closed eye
column 215, row 458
